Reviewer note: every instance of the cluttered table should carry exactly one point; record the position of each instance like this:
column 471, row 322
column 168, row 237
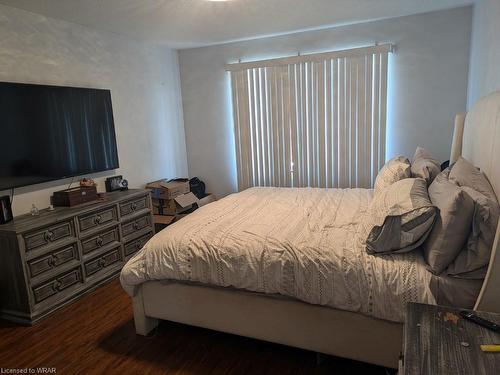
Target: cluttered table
column 438, row 340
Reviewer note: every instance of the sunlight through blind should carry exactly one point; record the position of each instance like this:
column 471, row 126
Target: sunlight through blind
column 316, row 120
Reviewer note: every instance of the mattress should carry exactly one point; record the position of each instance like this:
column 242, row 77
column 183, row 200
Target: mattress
column 300, row 243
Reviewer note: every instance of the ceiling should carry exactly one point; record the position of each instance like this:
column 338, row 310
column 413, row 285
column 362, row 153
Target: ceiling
column 190, row 23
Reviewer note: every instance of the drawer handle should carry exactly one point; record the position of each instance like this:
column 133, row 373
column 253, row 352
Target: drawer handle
column 138, row 245
column 98, row 219
column 136, row 225
column 48, row 236
column 57, row 285
column 102, row 262
column 133, row 206
column 51, row 261
column 99, row 241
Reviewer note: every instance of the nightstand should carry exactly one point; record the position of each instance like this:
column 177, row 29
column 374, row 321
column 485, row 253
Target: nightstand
column 438, row 341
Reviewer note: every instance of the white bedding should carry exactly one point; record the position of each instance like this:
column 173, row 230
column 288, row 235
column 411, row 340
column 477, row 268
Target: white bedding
column 300, row 243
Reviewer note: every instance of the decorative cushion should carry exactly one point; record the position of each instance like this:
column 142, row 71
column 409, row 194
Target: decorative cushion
column 453, row 223
column 394, row 170
column 424, row 166
column 399, row 218
column 472, row 261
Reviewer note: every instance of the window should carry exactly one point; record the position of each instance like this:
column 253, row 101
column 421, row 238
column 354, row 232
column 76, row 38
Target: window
column 315, row 120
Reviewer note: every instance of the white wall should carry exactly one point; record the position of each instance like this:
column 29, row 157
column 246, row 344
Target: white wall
column 485, row 50
column 144, row 83
column 428, row 85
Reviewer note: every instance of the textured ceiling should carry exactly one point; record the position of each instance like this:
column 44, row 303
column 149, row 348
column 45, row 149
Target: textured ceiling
column 189, row 23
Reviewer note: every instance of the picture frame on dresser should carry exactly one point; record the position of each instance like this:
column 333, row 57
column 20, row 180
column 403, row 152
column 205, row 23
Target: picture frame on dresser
column 49, row 260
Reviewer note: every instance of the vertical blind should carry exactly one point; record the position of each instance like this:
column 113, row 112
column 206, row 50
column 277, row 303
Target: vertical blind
column 315, row 120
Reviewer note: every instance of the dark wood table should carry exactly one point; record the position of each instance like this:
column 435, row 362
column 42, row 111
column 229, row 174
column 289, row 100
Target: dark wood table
column 438, row 341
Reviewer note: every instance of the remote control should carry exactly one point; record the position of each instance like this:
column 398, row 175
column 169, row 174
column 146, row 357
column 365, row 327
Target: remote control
column 469, row 315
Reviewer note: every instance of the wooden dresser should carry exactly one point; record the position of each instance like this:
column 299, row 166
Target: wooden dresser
column 47, row 261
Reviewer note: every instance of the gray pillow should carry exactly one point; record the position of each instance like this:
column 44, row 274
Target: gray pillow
column 399, row 218
column 472, row 261
column 424, row 165
column 453, row 223
column 394, row 170
column 466, row 174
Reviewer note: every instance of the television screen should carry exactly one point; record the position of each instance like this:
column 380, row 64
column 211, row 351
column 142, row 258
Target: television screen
column 51, row 132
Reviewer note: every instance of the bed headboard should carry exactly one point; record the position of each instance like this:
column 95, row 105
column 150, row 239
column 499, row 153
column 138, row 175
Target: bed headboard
column 477, row 138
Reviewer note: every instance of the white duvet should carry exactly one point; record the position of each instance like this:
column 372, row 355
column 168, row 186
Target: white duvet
column 299, row 243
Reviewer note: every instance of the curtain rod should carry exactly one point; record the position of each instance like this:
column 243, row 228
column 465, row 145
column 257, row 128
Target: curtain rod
column 380, row 48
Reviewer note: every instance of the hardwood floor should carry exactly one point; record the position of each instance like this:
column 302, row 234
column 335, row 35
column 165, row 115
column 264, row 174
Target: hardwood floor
column 95, row 335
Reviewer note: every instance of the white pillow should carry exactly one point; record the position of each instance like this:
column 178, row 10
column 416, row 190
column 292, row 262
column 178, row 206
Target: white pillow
column 424, row 165
column 394, row 170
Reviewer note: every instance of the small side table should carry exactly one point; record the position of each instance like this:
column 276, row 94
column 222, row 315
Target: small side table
column 438, row 341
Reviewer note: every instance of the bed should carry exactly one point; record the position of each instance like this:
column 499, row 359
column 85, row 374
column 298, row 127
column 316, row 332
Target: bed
column 260, row 264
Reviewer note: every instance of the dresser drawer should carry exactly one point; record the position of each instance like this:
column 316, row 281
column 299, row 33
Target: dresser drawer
column 52, row 260
column 48, row 235
column 100, row 264
column 57, row 285
column 136, row 245
column 97, row 219
column 135, row 225
column 100, row 240
column 130, row 207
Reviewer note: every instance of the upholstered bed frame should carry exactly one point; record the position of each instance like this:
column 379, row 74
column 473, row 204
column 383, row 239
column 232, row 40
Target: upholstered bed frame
column 317, row 328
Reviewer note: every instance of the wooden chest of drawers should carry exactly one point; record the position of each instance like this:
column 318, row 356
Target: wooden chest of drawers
column 51, row 259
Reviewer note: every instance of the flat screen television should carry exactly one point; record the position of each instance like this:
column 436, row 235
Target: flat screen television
column 49, row 133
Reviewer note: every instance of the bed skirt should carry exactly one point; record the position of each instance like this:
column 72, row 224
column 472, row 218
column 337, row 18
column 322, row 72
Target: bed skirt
column 283, row 321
